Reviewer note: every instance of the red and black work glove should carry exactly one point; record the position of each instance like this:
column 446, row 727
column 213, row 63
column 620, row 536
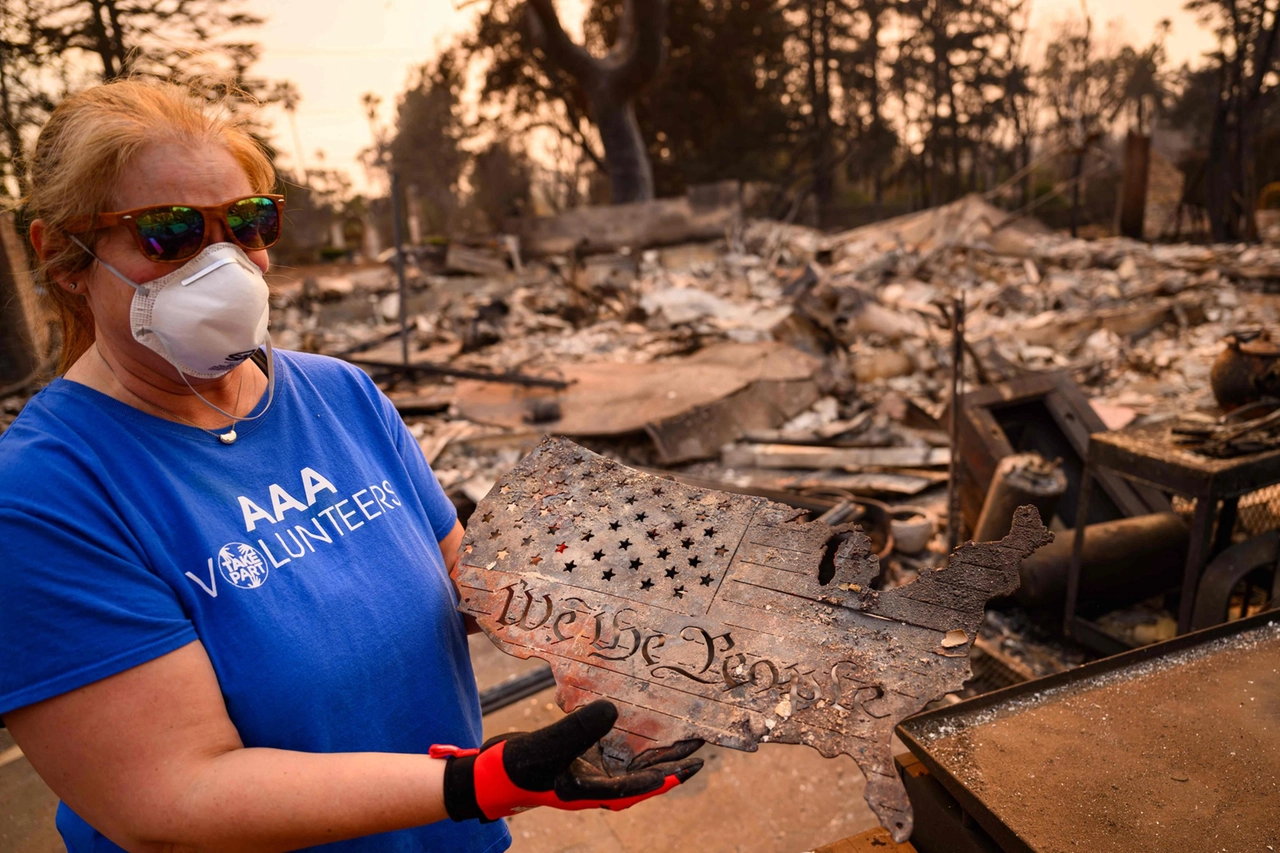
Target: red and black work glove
column 515, row 772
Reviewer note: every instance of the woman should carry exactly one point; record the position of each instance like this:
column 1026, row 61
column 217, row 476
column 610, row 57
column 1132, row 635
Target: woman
column 227, row 619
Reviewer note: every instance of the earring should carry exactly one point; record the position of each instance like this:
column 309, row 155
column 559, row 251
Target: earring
column 71, row 285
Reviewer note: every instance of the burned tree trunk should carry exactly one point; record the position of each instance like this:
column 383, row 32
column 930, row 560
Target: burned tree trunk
column 1133, row 194
column 24, row 331
column 1077, row 173
column 611, row 84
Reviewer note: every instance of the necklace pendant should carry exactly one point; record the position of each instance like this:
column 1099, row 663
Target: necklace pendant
column 228, row 437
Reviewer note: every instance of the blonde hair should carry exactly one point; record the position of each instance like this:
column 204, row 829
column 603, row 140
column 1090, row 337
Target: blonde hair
column 88, row 141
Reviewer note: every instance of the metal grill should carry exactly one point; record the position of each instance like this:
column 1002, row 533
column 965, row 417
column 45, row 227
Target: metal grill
column 1259, row 512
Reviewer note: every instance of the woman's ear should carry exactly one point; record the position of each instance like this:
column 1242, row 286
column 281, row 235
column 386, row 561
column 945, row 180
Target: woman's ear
column 40, row 239
column 46, row 246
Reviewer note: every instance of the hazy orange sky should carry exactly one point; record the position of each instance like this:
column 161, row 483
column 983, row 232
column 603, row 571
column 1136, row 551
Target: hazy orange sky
column 336, row 50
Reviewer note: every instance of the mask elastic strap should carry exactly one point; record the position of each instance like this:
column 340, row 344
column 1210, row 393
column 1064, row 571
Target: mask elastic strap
column 113, row 270
column 271, row 364
column 271, row 388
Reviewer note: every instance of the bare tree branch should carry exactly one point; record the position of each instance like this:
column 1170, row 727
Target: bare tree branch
column 555, row 42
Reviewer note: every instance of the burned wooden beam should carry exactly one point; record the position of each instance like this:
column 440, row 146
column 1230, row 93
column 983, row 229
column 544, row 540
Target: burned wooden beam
column 847, row 458
column 710, row 615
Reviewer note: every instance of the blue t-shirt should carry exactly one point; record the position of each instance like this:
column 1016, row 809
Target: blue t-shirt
column 304, row 557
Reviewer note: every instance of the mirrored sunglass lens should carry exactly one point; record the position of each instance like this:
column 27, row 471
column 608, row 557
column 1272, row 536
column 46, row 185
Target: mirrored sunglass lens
column 255, row 222
column 171, row 233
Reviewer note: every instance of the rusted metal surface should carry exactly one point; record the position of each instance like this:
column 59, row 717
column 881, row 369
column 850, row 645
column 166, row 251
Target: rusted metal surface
column 1236, row 564
column 1123, row 562
column 608, row 398
column 704, row 614
column 1167, row 747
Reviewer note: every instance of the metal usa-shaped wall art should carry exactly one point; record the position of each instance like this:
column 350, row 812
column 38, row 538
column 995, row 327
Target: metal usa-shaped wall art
column 703, row 614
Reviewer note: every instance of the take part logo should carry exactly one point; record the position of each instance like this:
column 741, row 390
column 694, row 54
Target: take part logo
column 242, row 565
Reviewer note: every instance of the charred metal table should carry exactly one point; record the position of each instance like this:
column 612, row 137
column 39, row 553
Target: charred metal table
column 1148, row 455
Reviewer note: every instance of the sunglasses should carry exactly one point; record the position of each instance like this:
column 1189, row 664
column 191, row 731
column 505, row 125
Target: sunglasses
column 171, row 233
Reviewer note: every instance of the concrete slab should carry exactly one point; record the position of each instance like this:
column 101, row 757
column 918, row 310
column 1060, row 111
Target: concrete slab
column 26, row 805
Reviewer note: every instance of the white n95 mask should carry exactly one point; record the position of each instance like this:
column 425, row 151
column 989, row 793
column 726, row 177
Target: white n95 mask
column 205, row 317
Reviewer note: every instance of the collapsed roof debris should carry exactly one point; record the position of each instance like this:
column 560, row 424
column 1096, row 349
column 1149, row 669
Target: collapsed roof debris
column 1137, row 325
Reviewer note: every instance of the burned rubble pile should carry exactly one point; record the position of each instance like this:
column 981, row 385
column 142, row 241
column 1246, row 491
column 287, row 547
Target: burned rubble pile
column 1138, row 325
column 785, row 362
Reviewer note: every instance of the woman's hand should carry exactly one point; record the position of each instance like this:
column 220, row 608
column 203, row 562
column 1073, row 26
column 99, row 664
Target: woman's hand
column 512, row 773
